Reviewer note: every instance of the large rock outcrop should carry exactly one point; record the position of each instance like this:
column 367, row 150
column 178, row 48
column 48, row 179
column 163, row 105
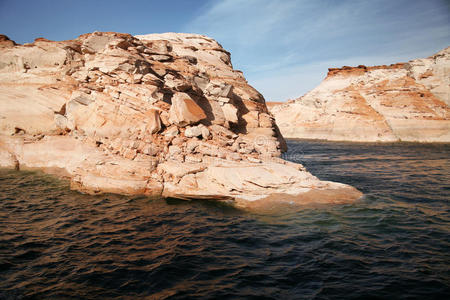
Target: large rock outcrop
column 158, row 114
column 401, row 102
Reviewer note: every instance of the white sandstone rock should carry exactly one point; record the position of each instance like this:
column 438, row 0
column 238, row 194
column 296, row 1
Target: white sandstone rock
column 121, row 114
column 401, row 102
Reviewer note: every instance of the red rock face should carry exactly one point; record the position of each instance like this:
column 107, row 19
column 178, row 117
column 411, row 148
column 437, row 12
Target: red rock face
column 153, row 114
column 360, row 70
column 400, row 102
column 5, row 42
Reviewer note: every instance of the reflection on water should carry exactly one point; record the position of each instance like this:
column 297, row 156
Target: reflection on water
column 392, row 244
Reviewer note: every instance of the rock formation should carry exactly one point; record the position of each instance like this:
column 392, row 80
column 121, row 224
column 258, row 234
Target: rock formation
column 159, row 114
column 401, row 102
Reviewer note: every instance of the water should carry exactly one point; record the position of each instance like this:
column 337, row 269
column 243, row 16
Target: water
column 394, row 243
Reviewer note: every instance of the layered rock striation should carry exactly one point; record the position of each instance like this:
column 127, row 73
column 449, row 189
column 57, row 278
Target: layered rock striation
column 159, row 114
column 401, row 102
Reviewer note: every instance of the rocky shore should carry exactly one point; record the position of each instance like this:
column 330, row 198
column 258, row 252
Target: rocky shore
column 158, row 114
column 401, row 102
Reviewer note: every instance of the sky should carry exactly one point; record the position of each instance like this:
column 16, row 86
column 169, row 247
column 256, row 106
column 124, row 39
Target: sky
column 284, row 47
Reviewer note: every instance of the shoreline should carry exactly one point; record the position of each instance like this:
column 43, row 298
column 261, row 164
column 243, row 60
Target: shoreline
column 365, row 142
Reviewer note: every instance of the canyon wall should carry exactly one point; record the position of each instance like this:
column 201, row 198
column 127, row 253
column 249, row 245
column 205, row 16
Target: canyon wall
column 158, row 114
column 401, row 102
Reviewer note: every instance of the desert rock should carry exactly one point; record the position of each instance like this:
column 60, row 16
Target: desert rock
column 184, row 111
column 401, row 102
column 158, row 114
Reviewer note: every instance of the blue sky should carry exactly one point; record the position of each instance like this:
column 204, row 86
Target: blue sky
column 283, row 47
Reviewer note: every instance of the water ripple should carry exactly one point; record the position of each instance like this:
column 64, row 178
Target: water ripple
column 391, row 244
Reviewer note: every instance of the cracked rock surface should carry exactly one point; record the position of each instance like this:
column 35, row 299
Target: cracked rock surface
column 158, row 114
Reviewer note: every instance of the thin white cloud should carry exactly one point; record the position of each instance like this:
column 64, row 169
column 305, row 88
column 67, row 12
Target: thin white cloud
column 293, row 82
column 245, row 22
column 287, row 46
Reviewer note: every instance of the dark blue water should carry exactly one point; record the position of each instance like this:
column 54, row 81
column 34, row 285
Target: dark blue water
column 394, row 243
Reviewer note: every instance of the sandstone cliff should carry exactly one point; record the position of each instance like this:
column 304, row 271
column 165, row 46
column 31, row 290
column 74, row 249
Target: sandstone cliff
column 401, row 102
column 158, row 114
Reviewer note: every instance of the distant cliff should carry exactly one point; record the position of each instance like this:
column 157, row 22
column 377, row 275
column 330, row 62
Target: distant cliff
column 401, row 102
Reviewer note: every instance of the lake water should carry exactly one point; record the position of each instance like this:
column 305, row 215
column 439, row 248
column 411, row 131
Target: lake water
column 394, row 243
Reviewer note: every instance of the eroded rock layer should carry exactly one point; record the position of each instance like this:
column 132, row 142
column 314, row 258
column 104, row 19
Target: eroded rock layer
column 402, row 102
column 158, row 114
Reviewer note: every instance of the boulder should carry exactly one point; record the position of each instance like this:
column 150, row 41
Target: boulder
column 177, row 84
column 184, row 111
column 219, row 89
column 230, row 113
column 193, row 131
column 154, row 121
column 172, row 131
